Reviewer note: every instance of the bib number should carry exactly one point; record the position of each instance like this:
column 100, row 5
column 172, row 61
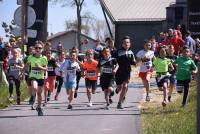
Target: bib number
column 13, row 68
column 107, row 70
column 91, row 73
column 50, row 68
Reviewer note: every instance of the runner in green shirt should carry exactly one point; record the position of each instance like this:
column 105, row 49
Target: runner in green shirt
column 162, row 66
column 185, row 67
column 38, row 67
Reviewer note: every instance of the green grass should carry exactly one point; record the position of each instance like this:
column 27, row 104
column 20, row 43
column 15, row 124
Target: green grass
column 173, row 119
column 4, row 93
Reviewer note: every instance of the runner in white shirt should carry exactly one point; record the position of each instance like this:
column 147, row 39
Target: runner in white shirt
column 146, row 56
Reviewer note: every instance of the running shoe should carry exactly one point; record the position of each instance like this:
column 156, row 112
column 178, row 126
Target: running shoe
column 110, row 101
column 112, row 93
column 75, row 95
column 11, row 98
column 147, row 98
column 169, row 98
column 56, row 97
column 164, row 103
column 32, row 107
column 107, row 107
column 40, row 111
column 69, row 106
column 119, row 106
column 89, row 104
column 18, row 100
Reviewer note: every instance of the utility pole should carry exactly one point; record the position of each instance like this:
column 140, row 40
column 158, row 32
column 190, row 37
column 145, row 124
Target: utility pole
column 24, row 18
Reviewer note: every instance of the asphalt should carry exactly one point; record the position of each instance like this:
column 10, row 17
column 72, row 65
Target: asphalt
column 57, row 119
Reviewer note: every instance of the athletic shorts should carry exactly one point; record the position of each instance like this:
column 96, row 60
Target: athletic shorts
column 70, row 85
column 91, row 84
column 39, row 81
column 161, row 80
column 121, row 77
column 143, row 75
column 106, row 82
column 50, row 83
column 172, row 79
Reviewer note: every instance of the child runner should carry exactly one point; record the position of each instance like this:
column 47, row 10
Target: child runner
column 91, row 73
column 59, row 78
column 108, row 67
column 51, row 79
column 125, row 58
column 172, row 78
column 38, row 64
column 162, row 66
column 69, row 69
column 186, row 67
column 14, row 72
column 146, row 56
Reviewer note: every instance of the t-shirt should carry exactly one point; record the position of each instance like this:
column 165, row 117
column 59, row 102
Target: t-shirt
column 107, row 66
column 34, row 71
column 161, row 65
column 57, row 69
column 51, row 67
column 125, row 58
column 14, row 71
column 69, row 68
column 185, row 65
column 90, row 69
column 146, row 65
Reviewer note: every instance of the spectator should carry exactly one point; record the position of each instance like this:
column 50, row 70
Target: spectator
column 190, row 42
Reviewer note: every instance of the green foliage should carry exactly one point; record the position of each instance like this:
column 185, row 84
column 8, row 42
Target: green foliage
column 173, row 119
column 4, row 94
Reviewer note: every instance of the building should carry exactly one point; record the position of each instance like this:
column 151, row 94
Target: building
column 139, row 19
column 69, row 39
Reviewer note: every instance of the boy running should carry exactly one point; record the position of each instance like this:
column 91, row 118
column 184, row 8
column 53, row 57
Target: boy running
column 38, row 67
column 69, row 69
column 162, row 66
column 186, row 67
column 107, row 65
column 146, row 56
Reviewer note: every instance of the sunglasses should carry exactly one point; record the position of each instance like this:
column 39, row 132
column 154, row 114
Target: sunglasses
column 38, row 48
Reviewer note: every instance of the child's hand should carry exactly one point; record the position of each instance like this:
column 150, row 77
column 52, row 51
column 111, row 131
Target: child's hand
column 194, row 72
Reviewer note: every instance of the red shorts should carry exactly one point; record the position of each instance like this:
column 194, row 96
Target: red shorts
column 145, row 75
column 50, row 83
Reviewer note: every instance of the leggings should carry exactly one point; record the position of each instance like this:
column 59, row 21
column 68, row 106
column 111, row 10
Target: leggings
column 12, row 81
column 186, row 85
column 59, row 82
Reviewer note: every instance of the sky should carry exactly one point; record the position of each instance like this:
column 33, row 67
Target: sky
column 57, row 15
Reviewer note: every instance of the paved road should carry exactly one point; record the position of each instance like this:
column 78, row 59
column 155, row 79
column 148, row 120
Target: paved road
column 80, row 120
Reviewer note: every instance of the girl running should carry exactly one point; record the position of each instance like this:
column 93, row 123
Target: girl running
column 186, row 67
column 108, row 67
column 162, row 66
column 69, row 69
column 38, row 67
column 14, row 72
column 59, row 78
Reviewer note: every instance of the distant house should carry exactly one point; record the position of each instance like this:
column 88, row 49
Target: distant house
column 69, row 39
column 139, row 19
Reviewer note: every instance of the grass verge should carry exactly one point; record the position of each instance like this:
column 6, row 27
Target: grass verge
column 172, row 119
column 4, row 93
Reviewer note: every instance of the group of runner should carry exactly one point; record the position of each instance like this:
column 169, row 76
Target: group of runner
column 107, row 64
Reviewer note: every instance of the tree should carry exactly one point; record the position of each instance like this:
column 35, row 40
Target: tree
column 78, row 4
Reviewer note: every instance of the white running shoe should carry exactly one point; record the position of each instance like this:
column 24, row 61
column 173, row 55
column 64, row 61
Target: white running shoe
column 89, row 104
column 11, row 98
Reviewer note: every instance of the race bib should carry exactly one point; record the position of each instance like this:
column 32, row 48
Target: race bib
column 36, row 72
column 107, row 70
column 91, row 74
column 13, row 68
column 50, row 69
column 71, row 71
column 147, row 64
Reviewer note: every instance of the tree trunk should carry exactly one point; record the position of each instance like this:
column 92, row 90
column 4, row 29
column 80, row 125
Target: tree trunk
column 79, row 26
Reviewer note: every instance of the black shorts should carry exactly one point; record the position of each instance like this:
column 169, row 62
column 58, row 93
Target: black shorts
column 106, row 82
column 39, row 81
column 91, row 84
column 121, row 77
column 160, row 81
column 28, row 80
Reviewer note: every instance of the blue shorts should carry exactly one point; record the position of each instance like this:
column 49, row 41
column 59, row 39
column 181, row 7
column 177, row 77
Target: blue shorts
column 172, row 79
column 70, row 85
